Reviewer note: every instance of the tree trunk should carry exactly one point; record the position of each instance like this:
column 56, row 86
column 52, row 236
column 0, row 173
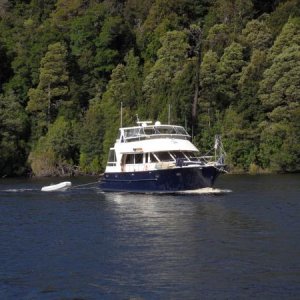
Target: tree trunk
column 196, row 91
column 49, row 105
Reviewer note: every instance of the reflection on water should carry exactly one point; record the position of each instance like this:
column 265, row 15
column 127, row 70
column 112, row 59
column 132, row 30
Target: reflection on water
column 90, row 245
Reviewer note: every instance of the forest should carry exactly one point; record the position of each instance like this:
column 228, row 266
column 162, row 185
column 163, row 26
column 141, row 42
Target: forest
column 229, row 67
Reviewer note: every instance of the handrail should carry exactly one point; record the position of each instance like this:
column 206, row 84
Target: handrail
column 153, row 136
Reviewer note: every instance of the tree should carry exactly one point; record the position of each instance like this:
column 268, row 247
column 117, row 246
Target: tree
column 289, row 35
column 232, row 13
column 46, row 99
column 280, row 144
column 84, row 31
column 158, row 83
column 4, row 4
column 249, row 104
column 228, row 74
column 280, row 15
column 277, row 90
column 195, row 33
column 164, row 16
column 131, row 90
column 14, row 132
column 280, row 96
column 256, row 35
column 6, row 71
column 91, row 139
column 41, row 9
column 55, row 153
column 65, row 11
column 135, row 12
column 112, row 44
column 208, row 84
column 218, row 38
column 241, row 148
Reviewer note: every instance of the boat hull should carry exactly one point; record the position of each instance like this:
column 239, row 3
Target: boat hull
column 160, row 181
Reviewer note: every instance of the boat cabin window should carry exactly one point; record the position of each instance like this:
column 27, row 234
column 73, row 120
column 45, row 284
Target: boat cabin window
column 138, row 158
column 112, row 159
column 151, row 158
column 132, row 159
column 193, row 156
column 180, row 130
column 166, row 130
column 164, row 156
column 149, row 131
column 178, row 154
column 132, row 132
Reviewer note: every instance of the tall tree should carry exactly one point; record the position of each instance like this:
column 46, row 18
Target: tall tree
column 113, row 42
column 283, row 10
column 228, row 74
column 280, row 96
column 91, row 139
column 84, row 31
column 14, row 132
column 47, row 98
column 233, row 13
column 289, row 35
column 55, row 154
column 257, row 35
column 209, row 84
column 5, row 68
column 158, row 84
column 195, row 33
column 219, row 37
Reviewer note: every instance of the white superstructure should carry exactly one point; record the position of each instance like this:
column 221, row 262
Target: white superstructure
column 151, row 147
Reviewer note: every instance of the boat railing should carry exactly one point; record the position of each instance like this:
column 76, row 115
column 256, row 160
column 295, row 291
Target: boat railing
column 205, row 159
column 153, row 132
column 156, row 136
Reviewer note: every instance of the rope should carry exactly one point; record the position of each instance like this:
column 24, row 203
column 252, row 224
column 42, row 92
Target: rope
column 86, row 184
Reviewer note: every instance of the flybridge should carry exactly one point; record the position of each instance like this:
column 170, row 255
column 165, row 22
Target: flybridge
column 146, row 131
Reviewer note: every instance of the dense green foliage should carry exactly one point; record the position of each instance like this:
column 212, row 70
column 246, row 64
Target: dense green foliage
column 224, row 66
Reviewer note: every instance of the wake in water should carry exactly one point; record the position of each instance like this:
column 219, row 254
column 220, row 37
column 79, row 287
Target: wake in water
column 205, row 191
column 19, row 190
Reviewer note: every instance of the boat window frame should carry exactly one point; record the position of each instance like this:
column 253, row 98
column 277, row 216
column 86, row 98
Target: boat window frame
column 157, row 154
column 191, row 155
column 130, row 159
column 151, row 158
column 181, row 156
column 112, row 158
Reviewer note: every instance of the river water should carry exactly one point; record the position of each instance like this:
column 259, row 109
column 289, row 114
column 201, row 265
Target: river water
column 84, row 244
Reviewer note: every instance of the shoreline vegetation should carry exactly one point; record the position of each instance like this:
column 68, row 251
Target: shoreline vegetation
column 228, row 67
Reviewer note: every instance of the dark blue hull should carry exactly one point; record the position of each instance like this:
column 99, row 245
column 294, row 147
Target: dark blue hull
column 160, row 181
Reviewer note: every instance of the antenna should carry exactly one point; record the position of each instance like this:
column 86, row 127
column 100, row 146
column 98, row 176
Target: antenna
column 169, row 114
column 137, row 118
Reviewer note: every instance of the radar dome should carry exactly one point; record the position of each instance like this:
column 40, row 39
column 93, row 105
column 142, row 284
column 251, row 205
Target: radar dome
column 157, row 123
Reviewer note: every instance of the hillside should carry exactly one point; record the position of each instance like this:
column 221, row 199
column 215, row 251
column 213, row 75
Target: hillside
column 230, row 67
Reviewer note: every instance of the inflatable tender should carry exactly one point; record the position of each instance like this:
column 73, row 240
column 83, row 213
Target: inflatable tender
column 62, row 186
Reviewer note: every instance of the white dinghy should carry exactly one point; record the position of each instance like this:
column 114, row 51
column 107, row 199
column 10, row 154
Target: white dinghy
column 62, row 186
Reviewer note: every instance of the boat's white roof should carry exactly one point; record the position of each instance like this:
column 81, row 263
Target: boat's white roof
column 155, row 145
column 153, row 138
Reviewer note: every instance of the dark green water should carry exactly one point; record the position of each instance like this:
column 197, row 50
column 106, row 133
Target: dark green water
column 83, row 244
